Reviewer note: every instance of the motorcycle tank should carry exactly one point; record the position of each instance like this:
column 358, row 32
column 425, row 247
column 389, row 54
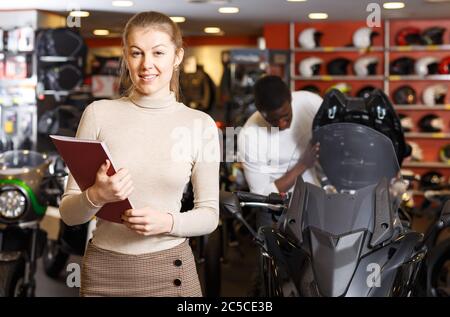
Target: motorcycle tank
column 350, row 232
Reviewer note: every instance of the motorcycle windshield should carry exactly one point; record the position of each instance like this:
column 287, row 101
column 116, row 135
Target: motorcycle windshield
column 354, row 156
column 18, row 161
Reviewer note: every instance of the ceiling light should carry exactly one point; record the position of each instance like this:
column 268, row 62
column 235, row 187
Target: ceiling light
column 296, row 0
column 212, row 30
column 100, row 32
column 79, row 14
column 178, row 19
column 318, row 16
column 122, row 3
column 393, row 5
column 228, row 10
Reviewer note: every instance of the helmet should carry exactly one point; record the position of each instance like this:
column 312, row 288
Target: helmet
column 363, row 37
column 406, row 122
column 431, row 180
column 408, row 36
column 431, row 123
column 402, row 66
column 366, row 65
column 338, row 66
column 311, row 88
column 342, row 87
column 309, row 38
column 444, row 154
column 365, row 91
column 310, row 66
column 444, row 65
column 434, row 94
column 426, row 66
column 405, row 95
column 433, row 36
column 416, row 152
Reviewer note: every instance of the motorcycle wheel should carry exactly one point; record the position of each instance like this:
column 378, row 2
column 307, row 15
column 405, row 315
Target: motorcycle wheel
column 11, row 278
column 54, row 259
column 439, row 270
column 212, row 254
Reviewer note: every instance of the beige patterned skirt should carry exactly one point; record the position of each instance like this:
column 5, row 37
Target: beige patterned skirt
column 169, row 272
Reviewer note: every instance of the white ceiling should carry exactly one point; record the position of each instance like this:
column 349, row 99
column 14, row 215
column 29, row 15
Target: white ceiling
column 253, row 13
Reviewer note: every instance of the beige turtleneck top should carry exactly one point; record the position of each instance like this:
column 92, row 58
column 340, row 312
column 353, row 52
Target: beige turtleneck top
column 163, row 144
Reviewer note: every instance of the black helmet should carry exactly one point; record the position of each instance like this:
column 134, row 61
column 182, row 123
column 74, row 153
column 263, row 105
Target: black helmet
column 431, row 180
column 431, row 123
column 338, row 66
column 444, row 153
column 407, row 123
column 405, row 95
column 365, row 91
column 433, row 36
column 402, row 66
column 311, row 88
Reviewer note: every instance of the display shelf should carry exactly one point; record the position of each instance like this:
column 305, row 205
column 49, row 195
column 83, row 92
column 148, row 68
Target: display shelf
column 331, row 49
column 423, row 135
column 422, row 107
column 416, row 77
column 420, row 48
column 340, row 78
column 31, row 81
column 426, row 164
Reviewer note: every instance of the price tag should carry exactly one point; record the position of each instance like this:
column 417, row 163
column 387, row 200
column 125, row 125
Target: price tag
column 396, row 77
column 432, row 47
column 404, row 48
column 447, row 106
column 327, row 78
column 328, row 49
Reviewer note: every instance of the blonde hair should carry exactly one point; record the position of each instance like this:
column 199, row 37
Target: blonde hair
column 162, row 23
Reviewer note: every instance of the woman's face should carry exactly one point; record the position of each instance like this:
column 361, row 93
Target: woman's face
column 151, row 59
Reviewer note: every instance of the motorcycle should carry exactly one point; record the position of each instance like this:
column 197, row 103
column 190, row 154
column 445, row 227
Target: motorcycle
column 346, row 238
column 24, row 197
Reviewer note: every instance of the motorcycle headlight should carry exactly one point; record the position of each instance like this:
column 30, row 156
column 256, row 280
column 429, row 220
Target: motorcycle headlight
column 13, row 203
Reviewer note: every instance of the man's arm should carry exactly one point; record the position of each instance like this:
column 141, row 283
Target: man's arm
column 285, row 182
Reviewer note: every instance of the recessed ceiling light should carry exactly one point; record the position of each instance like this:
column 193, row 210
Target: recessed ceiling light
column 79, row 14
column 437, row 1
column 178, row 19
column 393, row 5
column 101, row 32
column 122, row 3
column 212, row 30
column 229, row 10
column 296, row 0
column 318, row 16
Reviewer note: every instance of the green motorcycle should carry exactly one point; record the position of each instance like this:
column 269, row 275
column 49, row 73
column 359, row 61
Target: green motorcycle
column 24, row 184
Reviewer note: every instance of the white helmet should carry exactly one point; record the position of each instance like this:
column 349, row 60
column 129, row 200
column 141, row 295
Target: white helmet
column 309, row 38
column 416, row 151
column 434, row 94
column 426, row 66
column 362, row 37
column 310, row 66
column 366, row 65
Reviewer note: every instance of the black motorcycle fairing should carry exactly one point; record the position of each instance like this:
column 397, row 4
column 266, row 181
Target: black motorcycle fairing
column 396, row 262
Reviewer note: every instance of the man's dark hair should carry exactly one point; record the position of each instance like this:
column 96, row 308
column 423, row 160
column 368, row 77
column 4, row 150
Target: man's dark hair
column 271, row 92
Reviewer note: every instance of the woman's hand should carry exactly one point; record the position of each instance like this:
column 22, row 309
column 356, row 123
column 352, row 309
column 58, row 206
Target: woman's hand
column 108, row 189
column 147, row 222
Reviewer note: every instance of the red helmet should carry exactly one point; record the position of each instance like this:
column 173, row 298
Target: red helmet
column 444, row 65
column 409, row 36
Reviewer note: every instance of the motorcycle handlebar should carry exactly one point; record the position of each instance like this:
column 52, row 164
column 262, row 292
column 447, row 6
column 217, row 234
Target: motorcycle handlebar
column 273, row 198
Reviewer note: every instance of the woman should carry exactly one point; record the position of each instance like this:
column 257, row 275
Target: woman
column 158, row 144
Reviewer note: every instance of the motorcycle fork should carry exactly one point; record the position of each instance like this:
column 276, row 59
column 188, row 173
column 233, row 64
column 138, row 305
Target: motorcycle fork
column 30, row 266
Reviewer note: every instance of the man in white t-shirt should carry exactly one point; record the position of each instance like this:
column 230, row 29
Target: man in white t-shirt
column 274, row 144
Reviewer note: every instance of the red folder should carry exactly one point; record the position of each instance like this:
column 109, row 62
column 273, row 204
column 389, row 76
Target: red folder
column 84, row 158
